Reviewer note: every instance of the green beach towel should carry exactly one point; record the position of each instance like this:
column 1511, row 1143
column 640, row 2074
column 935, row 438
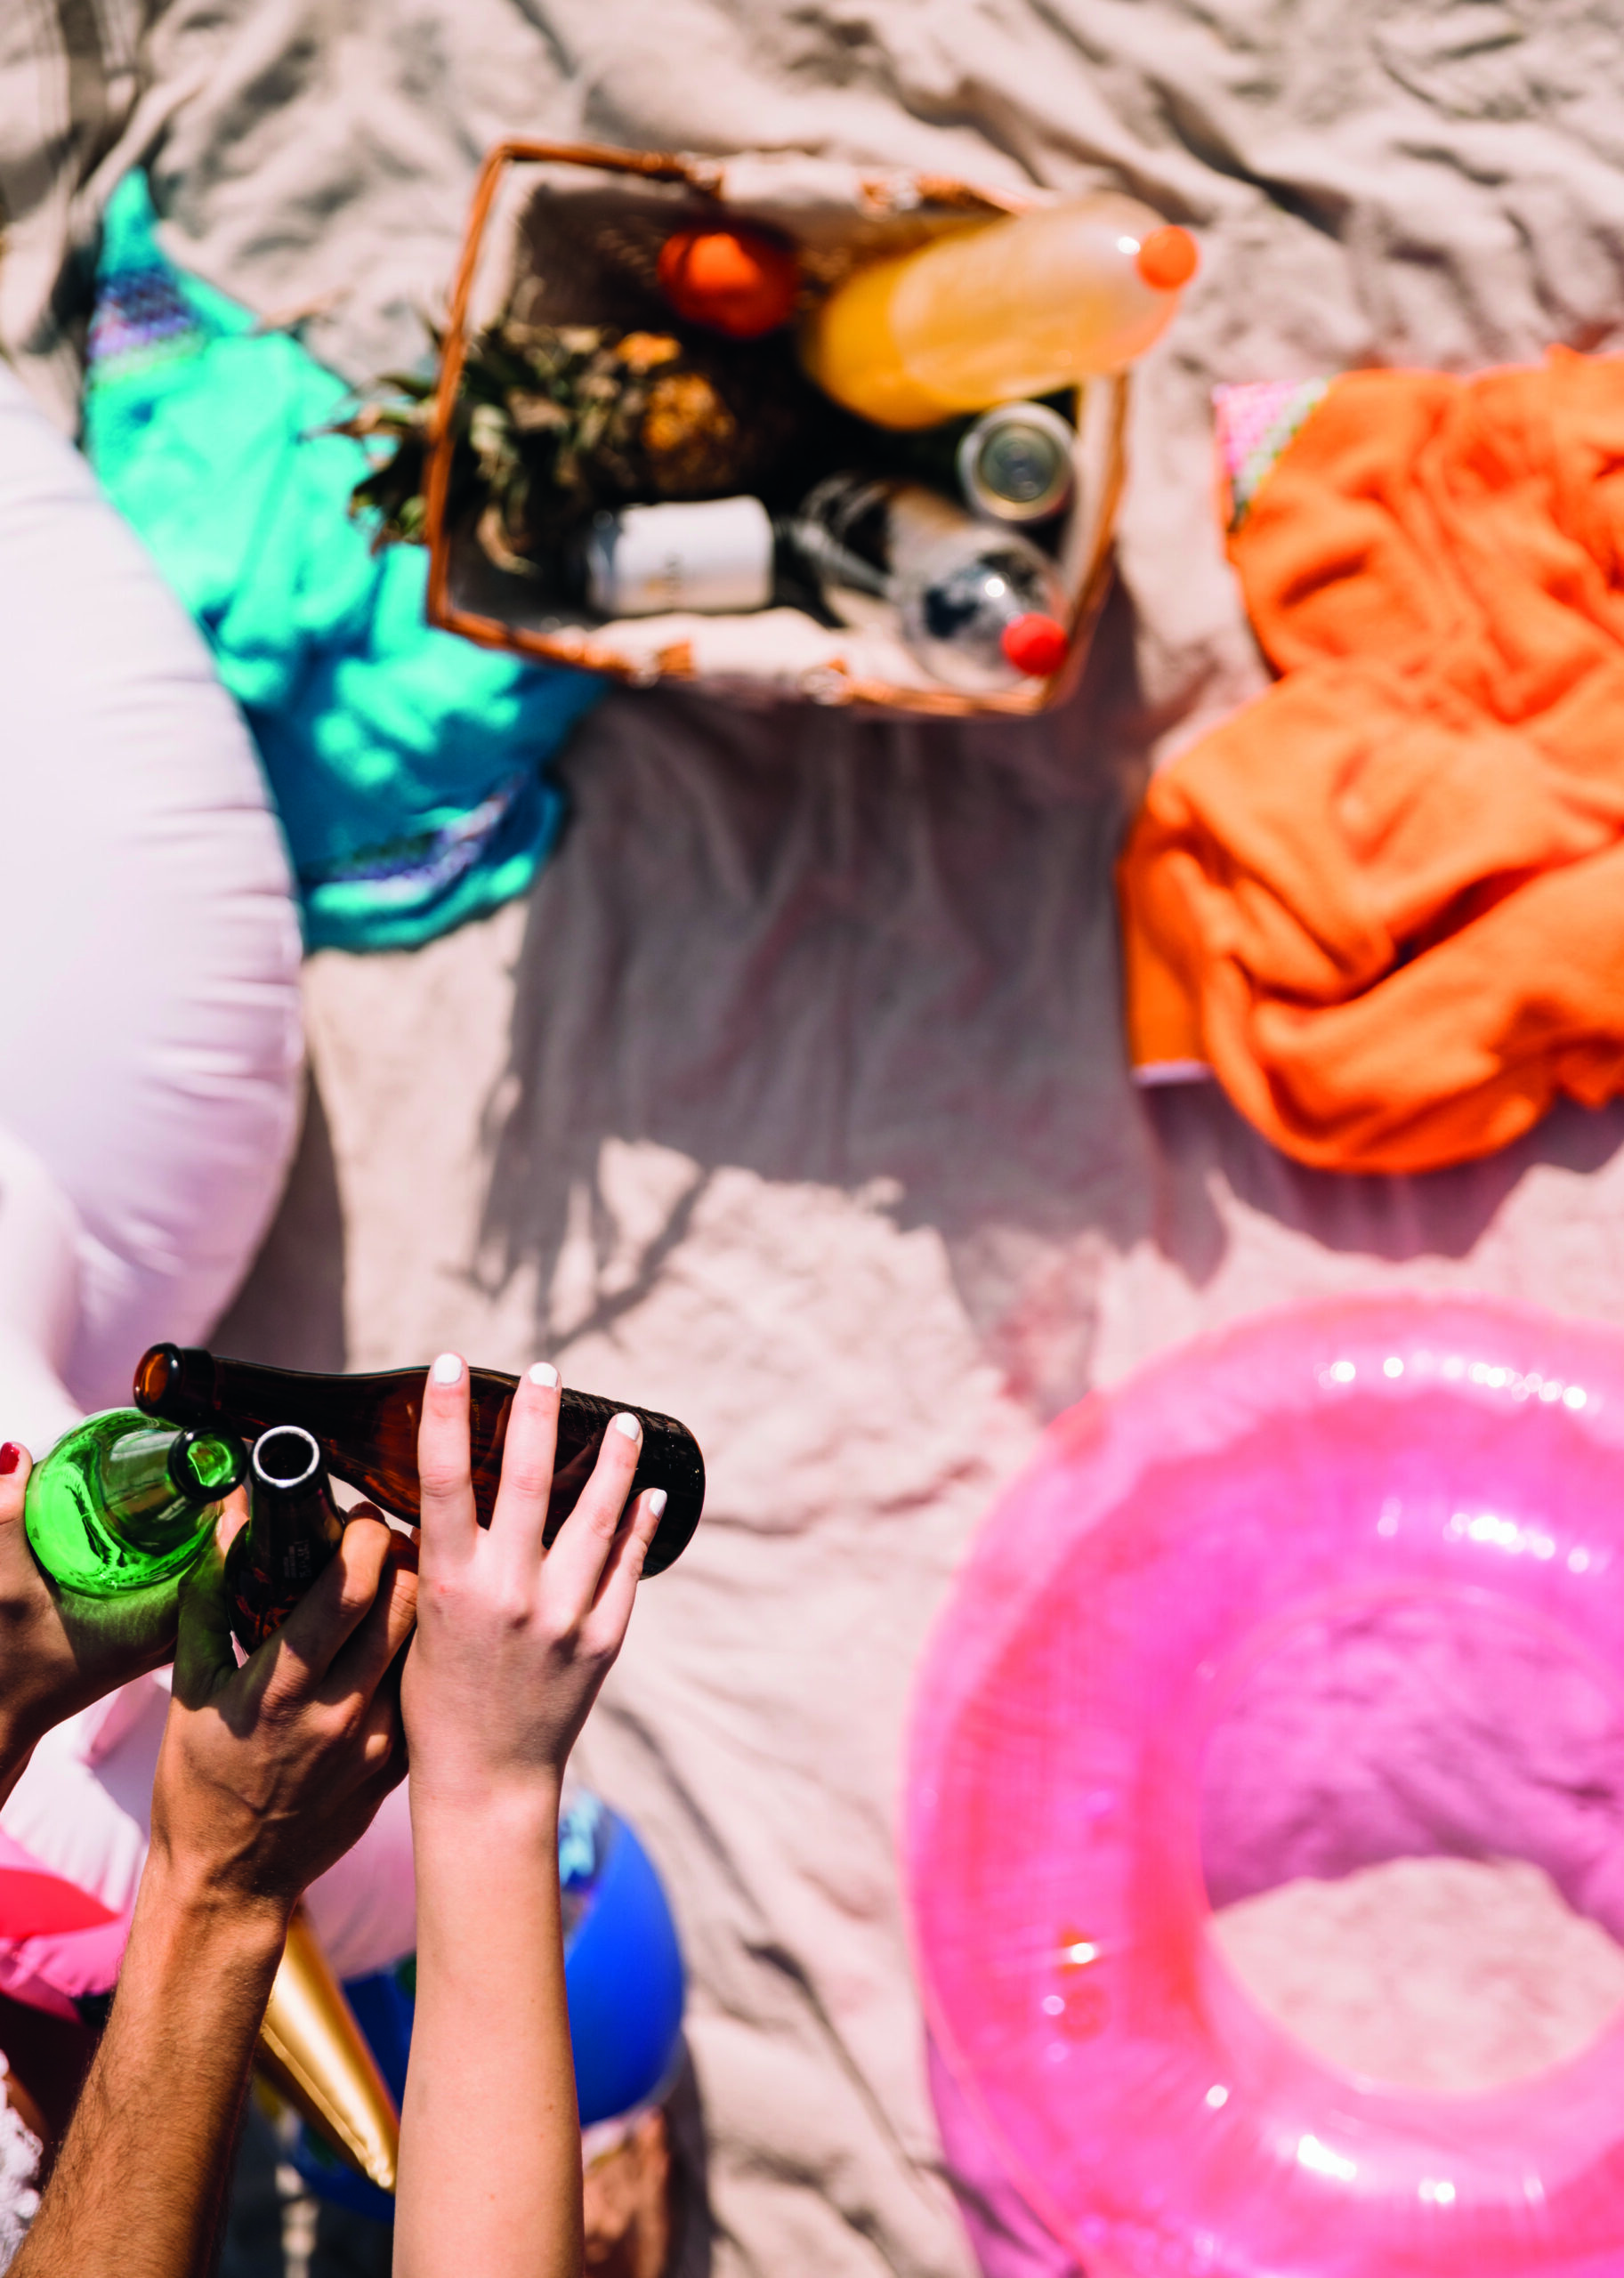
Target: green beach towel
column 409, row 767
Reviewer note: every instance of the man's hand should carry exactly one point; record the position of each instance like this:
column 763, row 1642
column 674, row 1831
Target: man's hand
column 268, row 1772
column 54, row 1659
column 513, row 1641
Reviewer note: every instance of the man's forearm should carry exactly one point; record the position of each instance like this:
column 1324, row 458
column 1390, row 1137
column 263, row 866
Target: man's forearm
column 137, row 2188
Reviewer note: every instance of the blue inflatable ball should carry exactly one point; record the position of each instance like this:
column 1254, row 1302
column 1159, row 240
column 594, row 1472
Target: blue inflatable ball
column 622, row 1968
column 623, row 1977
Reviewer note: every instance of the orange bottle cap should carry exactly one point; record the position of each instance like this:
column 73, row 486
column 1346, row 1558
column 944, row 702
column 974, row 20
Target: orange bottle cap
column 1167, row 258
column 1035, row 644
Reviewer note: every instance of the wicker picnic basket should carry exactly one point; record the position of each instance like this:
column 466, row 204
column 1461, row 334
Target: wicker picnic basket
column 572, row 230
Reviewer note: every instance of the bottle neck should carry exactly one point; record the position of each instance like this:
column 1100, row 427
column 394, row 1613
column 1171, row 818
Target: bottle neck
column 806, row 546
column 186, row 1384
column 289, row 1500
column 842, row 532
column 277, row 1514
column 294, row 1529
column 152, row 1482
column 136, row 1480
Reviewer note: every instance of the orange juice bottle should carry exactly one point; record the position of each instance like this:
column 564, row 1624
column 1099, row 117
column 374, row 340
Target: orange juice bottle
column 999, row 310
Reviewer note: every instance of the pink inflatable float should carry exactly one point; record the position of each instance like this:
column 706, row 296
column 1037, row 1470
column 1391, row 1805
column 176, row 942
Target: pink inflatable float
column 1341, row 1585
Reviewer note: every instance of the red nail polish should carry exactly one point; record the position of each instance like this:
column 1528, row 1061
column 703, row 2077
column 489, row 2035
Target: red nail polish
column 11, row 1456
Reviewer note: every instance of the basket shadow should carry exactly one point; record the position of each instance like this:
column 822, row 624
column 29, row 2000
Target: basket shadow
column 872, row 955
column 882, row 957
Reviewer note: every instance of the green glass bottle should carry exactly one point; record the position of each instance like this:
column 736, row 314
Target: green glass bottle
column 121, row 1504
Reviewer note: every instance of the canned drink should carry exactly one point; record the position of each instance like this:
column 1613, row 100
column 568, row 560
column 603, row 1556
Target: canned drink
column 1015, row 463
column 715, row 556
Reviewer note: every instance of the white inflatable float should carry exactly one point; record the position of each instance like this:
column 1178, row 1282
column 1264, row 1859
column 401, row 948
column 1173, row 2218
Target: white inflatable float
column 151, row 1062
column 150, row 1029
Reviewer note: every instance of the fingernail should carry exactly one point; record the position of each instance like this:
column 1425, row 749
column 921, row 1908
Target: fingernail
column 629, row 1424
column 11, row 1456
column 543, row 1373
column 447, row 1370
column 656, row 1501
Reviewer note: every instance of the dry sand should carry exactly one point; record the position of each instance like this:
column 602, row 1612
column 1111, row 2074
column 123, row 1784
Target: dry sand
column 1447, row 1974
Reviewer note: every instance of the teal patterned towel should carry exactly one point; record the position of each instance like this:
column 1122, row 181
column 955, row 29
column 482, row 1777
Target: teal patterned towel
column 410, row 768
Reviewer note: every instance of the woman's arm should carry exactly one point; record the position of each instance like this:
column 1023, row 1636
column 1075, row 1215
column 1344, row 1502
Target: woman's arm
column 49, row 1665
column 513, row 1642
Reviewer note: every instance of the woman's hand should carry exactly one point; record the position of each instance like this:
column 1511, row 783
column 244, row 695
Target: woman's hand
column 51, row 1663
column 513, row 1641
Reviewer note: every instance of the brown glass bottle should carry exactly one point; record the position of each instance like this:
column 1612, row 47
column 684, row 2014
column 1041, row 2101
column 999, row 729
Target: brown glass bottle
column 293, row 1528
column 366, row 1430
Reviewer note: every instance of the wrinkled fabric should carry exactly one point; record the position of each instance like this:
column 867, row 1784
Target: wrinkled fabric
column 1386, row 901
column 410, row 768
column 801, row 1106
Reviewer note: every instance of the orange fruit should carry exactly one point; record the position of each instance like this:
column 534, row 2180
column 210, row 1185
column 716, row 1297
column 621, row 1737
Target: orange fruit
column 742, row 282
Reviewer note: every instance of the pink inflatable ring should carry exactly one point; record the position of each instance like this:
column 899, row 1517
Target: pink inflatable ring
column 1340, row 1585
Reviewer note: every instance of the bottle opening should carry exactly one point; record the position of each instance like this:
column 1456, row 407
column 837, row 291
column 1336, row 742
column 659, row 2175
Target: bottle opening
column 1035, row 644
column 154, row 1374
column 213, row 1463
column 1167, row 258
column 285, row 1456
column 176, row 1383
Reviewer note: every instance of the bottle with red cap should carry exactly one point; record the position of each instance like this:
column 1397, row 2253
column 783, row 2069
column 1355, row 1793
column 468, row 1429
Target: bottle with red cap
column 988, row 311
column 982, row 610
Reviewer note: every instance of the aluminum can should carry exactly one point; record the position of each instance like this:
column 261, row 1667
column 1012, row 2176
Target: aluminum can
column 1015, row 463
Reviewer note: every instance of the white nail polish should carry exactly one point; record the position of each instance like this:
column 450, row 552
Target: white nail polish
column 656, row 1501
column 447, row 1370
column 544, row 1374
column 629, row 1425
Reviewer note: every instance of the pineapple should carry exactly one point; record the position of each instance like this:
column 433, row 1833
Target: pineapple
column 556, row 421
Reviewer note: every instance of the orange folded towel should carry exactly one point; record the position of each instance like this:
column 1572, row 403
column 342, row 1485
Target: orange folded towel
column 1385, row 903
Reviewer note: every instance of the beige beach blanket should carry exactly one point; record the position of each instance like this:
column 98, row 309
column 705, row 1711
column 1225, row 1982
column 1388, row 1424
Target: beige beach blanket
column 795, row 1102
